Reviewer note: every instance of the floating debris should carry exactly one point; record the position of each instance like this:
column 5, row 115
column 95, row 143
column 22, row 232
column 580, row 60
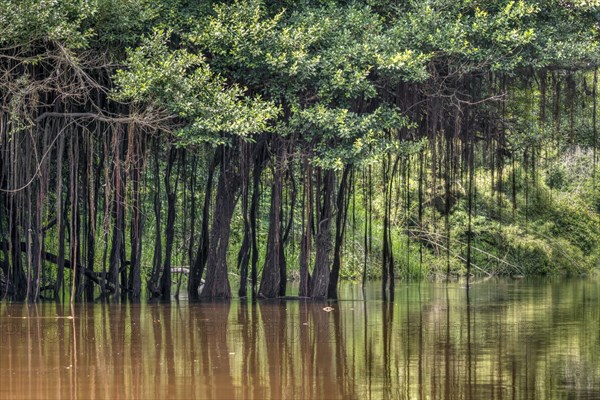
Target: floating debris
column 328, row 309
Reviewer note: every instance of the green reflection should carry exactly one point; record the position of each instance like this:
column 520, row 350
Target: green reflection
column 501, row 339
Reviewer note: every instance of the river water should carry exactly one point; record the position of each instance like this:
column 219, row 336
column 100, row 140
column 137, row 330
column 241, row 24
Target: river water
column 502, row 339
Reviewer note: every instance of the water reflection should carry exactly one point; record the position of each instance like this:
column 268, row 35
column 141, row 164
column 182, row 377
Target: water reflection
column 502, row 339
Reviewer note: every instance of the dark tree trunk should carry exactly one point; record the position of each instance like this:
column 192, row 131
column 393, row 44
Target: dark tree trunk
column 153, row 283
column 243, row 258
column 249, row 248
column 270, row 282
column 4, row 265
column 16, row 280
column 75, row 220
column 595, row 128
column 3, row 207
column 323, row 242
column 118, row 225
column 340, row 227
column 59, row 217
column 197, row 269
column 286, row 234
column 38, row 235
column 193, row 184
column 165, row 279
column 135, row 278
column 365, row 234
column 94, row 181
column 471, row 194
column 305, row 278
column 217, row 282
column 261, row 162
column 420, row 211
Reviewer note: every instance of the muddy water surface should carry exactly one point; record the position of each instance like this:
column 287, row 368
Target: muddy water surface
column 528, row 339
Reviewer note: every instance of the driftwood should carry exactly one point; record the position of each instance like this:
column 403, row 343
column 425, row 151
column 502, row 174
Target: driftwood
column 95, row 277
column 53, row 258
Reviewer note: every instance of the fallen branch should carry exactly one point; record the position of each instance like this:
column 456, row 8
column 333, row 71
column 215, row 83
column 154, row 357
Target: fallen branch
column 91, row 275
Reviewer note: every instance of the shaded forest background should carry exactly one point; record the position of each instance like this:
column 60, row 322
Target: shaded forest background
column 249, row 142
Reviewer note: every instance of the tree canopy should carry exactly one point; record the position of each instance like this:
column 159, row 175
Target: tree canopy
column 447, row 126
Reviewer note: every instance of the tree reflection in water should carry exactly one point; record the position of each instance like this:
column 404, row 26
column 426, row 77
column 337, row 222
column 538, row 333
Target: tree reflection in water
column 500, row 339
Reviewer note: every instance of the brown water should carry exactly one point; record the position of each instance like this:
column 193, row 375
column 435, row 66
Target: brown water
column 505, row 340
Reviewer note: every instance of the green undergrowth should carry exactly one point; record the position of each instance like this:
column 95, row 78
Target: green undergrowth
column 549, row 230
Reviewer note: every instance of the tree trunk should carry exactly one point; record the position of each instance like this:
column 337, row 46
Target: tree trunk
column 340, row 226
column 286, row 234
column 165, row 279
column 249, row 250
column 305, row 278
column 153, row 283
column 118, row 225
column 217, row 282
column 269, row 285
column 197, row 269
column 262, row 157
column 323, row 242
column 58, row 284
column 243, row 258
column 135, row 278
